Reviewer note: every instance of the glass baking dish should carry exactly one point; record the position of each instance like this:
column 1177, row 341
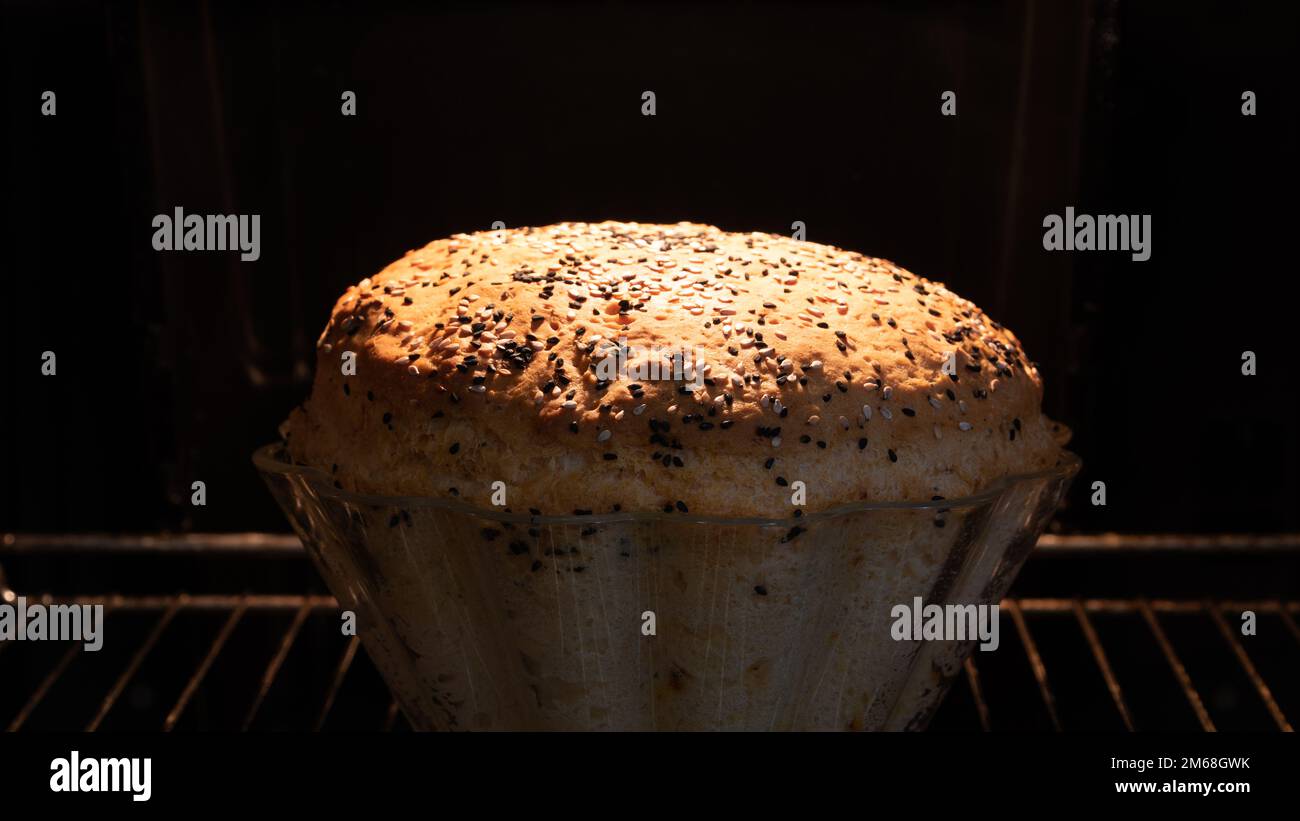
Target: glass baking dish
column 486, row 619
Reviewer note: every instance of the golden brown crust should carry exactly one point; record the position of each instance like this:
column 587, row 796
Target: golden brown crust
column 477, row 360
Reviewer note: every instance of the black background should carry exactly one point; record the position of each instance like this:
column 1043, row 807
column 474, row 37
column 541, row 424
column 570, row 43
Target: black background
column 174, row 367
column 297, row 773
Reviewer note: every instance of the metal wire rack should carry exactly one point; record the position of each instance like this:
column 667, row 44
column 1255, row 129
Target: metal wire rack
column 1122, row 663
column 162, row 612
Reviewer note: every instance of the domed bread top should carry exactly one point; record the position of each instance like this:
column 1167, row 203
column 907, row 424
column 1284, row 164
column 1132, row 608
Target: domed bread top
column 748, row 362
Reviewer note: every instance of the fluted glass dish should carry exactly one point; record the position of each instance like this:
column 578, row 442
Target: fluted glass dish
column 488, row 619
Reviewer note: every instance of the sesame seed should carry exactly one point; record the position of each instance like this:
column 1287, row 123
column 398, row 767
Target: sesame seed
column 763, row 302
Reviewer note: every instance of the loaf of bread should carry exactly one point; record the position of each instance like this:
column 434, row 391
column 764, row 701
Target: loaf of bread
column 729, row 397
column 627, row 367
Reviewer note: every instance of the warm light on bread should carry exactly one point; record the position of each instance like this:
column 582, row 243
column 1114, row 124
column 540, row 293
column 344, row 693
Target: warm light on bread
column 478, row 359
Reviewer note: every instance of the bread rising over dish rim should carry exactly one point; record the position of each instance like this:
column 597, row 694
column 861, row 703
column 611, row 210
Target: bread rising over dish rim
column 494, row 358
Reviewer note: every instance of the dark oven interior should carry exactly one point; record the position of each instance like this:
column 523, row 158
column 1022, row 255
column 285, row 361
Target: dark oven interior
column 174, row 368
column 1110, row 634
